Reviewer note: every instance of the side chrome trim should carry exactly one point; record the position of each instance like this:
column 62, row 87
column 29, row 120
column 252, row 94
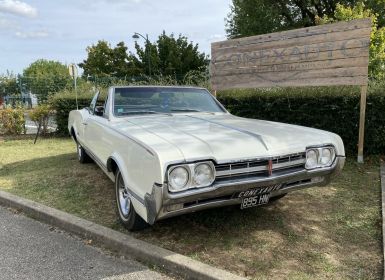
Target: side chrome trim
column 136, row 196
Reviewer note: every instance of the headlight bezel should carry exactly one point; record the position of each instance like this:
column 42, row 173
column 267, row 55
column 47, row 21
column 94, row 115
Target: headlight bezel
column 190, row 167
column 212, row 168
column 187, row 181
column 319, row 155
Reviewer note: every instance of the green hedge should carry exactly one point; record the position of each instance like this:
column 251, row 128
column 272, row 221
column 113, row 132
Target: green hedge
column 12, row 121
column 64, row 102
column 334, row 109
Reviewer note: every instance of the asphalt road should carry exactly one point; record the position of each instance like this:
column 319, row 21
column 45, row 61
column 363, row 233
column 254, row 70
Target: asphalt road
column 32, row 250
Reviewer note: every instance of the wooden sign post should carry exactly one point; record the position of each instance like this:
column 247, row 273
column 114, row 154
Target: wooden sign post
column 325, row 55
column 361, row 134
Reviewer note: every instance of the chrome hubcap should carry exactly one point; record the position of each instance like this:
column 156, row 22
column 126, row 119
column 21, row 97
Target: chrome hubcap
column 124, row 198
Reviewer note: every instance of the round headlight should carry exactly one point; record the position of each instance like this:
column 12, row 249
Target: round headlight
column 326, row 156
column 311, row 159
column 178, row 179
column 203, row 175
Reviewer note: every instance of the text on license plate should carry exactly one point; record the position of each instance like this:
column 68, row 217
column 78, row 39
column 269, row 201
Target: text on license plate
column 255, row 200
column 258, row 196
column 258, row 191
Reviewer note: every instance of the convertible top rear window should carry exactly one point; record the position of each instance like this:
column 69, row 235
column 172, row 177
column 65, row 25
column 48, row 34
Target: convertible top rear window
column 147, row 100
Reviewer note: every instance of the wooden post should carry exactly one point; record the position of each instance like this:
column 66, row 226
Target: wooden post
column 38, row 131
column 360, row 157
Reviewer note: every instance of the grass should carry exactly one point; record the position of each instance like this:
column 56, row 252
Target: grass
column 319, row 233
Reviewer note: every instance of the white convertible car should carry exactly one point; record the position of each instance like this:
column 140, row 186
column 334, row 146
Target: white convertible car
column 176, row 150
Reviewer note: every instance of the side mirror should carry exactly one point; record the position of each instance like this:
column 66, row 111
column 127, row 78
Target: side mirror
column 99, row 110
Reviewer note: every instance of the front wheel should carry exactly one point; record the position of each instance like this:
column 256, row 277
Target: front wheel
column 126, row 212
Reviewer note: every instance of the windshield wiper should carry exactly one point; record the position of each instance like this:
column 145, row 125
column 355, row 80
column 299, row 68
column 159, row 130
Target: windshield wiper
column 184, row 110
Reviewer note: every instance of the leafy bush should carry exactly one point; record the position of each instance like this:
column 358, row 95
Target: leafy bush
column 65, row 101
column 12, row 121
column 41, row 115
column 334, row 109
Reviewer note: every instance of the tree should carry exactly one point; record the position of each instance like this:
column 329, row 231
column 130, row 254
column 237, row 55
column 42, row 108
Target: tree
column 45, row 77
column 253, row 17
column 171, row 56
column 377, row 37
column 105, row 61
column 9, row 85
column 167, row 56
column 147, row 59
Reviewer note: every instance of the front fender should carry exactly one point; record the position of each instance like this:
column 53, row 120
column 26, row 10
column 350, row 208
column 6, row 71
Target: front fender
column 146, row 193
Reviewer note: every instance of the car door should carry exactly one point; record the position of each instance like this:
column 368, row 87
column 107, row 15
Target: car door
column 95, row 130
column 85, row 115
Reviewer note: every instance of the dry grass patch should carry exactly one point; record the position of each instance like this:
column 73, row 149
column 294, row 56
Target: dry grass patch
column 320, row 233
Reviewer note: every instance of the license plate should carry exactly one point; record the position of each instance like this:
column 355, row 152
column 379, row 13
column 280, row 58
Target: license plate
column 257, row 196
column 253, row 201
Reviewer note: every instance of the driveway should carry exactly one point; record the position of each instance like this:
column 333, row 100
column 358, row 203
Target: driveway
column 32, row 250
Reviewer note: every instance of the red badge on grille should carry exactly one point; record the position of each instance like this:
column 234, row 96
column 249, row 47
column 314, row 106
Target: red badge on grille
column 270, row 167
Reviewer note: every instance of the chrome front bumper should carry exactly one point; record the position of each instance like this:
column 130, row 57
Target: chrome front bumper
column 222, row 194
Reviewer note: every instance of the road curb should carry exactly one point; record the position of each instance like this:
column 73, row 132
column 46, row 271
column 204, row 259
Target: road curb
column 382, row 174
column 120, row 243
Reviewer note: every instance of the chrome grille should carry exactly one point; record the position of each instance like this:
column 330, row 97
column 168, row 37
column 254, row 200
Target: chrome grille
column 260, row 167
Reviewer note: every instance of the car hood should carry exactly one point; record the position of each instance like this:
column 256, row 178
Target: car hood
column 221, row 137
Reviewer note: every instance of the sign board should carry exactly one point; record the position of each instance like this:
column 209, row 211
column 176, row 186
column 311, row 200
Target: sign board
column 73, row 70
column 324, row 55
column 330, row 54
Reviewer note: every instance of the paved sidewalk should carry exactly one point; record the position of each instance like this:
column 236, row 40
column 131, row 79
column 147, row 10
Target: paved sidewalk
column 32, row 250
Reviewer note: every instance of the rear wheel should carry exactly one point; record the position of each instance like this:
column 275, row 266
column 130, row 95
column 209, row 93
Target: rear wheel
column 82, row 154
column 126, row 212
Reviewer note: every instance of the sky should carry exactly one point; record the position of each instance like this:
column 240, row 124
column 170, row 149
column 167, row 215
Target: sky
column 61, row 30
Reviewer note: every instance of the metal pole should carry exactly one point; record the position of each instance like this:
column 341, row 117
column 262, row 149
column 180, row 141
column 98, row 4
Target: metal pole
column 74, row 74
column 76, row 92
column 360, row 156
column 149, row 55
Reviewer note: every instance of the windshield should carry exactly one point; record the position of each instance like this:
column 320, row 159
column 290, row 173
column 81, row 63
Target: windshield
column 157, row 100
